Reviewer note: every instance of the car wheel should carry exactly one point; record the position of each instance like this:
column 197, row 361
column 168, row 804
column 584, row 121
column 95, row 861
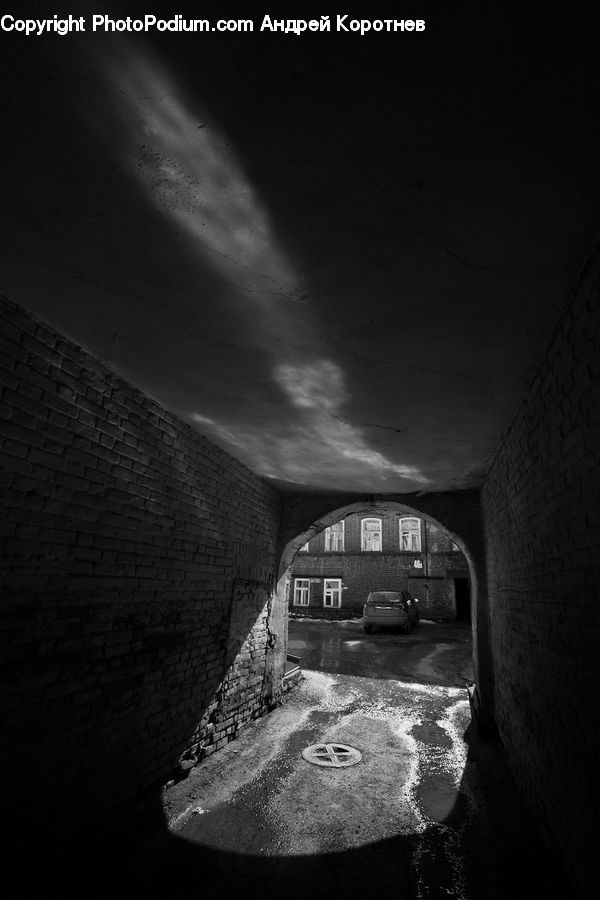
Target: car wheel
column 367, row 628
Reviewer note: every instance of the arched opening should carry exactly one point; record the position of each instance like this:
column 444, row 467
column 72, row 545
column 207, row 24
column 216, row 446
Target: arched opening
column 412, row 808
column 369, row 533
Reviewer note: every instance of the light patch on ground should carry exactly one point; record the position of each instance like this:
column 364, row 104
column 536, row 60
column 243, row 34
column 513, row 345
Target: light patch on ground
column 211, row 782
column 329, row 811
column 455, row 721
column 283, row 806
column 316, row 685
column 402, row 722
column 427, row 690
column 334, row 694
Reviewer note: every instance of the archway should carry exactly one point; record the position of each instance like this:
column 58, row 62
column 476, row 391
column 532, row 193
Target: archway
column 457, row 514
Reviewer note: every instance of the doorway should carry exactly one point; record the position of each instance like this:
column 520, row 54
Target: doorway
column 462, row 597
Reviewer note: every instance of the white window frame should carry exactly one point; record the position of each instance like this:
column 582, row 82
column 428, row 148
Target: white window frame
column 335, row 537
column 364, row 540
column 332, row 593
column 411, row 535
column 301, row 591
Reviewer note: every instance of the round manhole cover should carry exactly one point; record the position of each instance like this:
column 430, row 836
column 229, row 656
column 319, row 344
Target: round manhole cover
column 332, row 756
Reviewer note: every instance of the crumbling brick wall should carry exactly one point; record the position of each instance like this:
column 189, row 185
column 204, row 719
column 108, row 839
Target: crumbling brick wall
column 541, row 509
column 137, row 574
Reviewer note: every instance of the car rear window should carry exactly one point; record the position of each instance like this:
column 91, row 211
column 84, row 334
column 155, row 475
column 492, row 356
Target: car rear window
column 384, row 597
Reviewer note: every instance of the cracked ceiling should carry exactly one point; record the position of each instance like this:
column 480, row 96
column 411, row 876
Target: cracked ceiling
column 338, row 257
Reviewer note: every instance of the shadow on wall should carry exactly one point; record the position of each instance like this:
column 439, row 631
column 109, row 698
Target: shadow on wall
column 484, row 849
column 137, row 614
column 55, row 846
column 248, row 686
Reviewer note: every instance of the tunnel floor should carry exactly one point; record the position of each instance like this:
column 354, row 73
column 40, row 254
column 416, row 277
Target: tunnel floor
column 430, row 811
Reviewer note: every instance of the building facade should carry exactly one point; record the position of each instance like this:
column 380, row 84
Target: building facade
column 334, row 572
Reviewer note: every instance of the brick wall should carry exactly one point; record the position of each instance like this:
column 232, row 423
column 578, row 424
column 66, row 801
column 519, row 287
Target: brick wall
column 137, row 574
column 541, row 509
column 392, row 569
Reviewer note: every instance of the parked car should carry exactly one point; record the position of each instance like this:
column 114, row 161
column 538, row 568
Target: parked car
column 390, row 609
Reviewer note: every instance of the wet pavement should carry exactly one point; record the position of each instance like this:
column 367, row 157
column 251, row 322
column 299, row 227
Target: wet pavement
column 430, row 810
column 433, row 653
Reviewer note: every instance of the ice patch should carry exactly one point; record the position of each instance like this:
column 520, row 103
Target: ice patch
column 454, row 723
column 357, row 621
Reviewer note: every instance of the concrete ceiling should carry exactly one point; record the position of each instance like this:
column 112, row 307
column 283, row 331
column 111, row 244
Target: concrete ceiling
column 339, row 257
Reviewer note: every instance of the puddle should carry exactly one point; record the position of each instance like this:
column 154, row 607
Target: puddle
column 442, row 802
column 425, row 667
column 432, row 735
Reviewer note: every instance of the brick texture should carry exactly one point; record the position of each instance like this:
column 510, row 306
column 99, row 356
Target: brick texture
column 138, row 566
column 541, row 510
column 390, row 569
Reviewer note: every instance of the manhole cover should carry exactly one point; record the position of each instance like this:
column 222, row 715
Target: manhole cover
column 334, row 756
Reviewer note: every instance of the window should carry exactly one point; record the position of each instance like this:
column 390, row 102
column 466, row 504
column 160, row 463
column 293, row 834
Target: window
column 410, row 535
column 370, row 535
column 332, row 592
column 304, row 548
column 301, row 591
column 334, row 538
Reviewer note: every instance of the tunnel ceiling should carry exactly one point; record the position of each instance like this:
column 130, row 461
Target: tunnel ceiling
column 339, row 257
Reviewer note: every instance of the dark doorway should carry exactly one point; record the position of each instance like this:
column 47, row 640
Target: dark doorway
column 462, row 595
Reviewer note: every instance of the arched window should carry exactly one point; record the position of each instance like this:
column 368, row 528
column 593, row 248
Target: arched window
column 410, row 534
column 334, row 538
column 370, row 535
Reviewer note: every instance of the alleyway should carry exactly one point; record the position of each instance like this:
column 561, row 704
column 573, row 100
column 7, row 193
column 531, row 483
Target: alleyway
column 429, row 812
